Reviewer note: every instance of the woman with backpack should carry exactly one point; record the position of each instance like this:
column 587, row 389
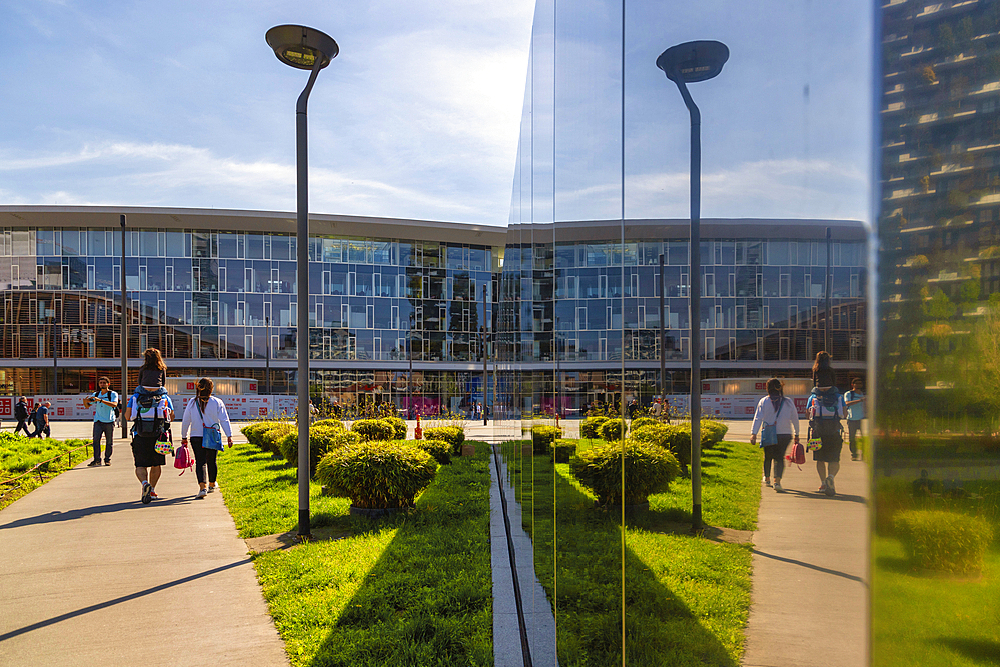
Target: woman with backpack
column 777, row 414
column 206, row 418
column 825, row 409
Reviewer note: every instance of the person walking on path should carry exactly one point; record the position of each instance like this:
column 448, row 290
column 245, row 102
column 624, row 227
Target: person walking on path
column 42, row 420
column 825, row 409
column 778, row 411
column 104, row 420
column 150, row 424
column 21, row 413
column 204, row 414
column 855, row 402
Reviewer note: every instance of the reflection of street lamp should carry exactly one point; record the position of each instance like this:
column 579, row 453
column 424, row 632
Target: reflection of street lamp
column 124, row 331
column 302, row 48
column 267, row 352
column 683, row 64
column 484, row 355
column 409, row 356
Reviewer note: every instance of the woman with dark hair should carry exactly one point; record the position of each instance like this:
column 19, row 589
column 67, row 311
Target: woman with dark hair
column 778, row 411
column 823, row 373
column 203, row 414
column 825, row 409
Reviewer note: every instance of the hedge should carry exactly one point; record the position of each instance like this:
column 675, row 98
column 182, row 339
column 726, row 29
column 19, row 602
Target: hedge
column 944, row 541
column 611, row 430
column 542, row 435
column 377, row 474
column 398, row 427
column 561, row 450
column 648, row 469
column 373, row 429
column 590, row 426
column 439, row 449
column 453, row 435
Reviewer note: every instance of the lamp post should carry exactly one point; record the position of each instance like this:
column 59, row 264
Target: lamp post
column 302, row 48
column 683, row 64
column 484, row 355
column 124, row 332
column 409, row 376
column 267, row 354
column 663, row 346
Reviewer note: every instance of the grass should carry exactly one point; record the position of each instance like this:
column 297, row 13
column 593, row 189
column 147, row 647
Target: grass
column 411, row 590
column 687, row 598
column 927, row 619
column 18, row 455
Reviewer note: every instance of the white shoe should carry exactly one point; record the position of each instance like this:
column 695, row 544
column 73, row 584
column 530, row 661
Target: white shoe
column 201, row 494
column 778, row 487
column 831, row 490
column 767, row 481
column 213, row 488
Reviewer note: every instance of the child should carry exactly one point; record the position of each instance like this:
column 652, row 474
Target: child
column 152, row 375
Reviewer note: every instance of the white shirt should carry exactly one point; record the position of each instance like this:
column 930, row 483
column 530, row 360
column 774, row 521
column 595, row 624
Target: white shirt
column 787, row 421
column 215, row 413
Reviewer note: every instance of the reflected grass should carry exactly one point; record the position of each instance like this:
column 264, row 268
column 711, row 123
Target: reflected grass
column 687, row 598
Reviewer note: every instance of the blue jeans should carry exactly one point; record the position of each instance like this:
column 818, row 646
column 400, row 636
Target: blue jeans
column 107, row 429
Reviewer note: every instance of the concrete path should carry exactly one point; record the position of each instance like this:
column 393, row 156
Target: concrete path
column 810, row 570
column 89, row 576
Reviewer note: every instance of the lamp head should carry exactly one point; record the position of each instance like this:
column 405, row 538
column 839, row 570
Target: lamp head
column 693, row 61
column 300, row 47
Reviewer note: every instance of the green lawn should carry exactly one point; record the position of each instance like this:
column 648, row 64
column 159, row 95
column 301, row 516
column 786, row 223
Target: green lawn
column 687, row 599
column 926, row 619
column 18, row 455
column 414, row 590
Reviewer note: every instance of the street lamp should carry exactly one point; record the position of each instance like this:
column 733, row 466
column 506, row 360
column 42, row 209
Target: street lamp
column 683, row 64
column 302, row 48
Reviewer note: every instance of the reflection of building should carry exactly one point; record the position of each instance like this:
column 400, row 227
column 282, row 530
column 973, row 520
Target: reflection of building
column 940, row 178
column 592, row 304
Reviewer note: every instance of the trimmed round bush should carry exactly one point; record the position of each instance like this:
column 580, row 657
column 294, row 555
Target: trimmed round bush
column 639, row 422
column 377, row 474
column 611, row 430
column 439, row 449
column 590, row 426
column 542, row 435
column 944, row 541
column 270, row 437
column 712, row 432
column 253, row 430
column 373, row 429
column 398, row 427
column 561, row 450
column 330, row 423
column 453, row 435
column 648, row 469
column 321, row 440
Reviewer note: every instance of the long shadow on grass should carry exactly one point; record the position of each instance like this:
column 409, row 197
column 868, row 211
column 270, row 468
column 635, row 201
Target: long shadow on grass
column 981, row 650
column 584, row 543
column 428, row 598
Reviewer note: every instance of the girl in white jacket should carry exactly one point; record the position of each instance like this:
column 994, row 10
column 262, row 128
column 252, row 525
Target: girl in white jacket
column 201, row 412
column 776, row 409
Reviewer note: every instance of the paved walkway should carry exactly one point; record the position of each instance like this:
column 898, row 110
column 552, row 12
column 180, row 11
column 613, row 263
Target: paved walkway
column 810, row 570
column 89, row 576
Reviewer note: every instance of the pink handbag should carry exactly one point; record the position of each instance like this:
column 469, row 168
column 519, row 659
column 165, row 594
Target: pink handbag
column 183, row 458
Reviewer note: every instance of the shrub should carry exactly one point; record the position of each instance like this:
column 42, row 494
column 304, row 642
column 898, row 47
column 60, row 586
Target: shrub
column 561, row 450
column 648, row 470
column 270, row 437
column 542, row 435
column 329, row 423
column 639, row 422
column 373, row 429
column 611, row 430
column 398, row 427
column 439, row 449
column 944, row 541
column 453, row 435
column 254, row 430
column 321, row 440
column 590, row 427
column 377, row 474
column 712, row 432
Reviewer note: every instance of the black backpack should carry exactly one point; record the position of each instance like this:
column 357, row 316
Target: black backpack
column 20, row 411
column 152, row 425
column 117, row 409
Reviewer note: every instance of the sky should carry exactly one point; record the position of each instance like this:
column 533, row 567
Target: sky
column 178, row 103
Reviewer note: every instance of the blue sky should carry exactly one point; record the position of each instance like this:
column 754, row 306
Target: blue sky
column 182, row 104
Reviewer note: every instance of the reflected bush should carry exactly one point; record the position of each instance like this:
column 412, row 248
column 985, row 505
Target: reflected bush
column 543, row 435
column 377, row 474
column 639, row 422
column 648, row 469
column 611, row 430
column 944, row 541
column 590, row 427
column 561, row 450
column 398, row 427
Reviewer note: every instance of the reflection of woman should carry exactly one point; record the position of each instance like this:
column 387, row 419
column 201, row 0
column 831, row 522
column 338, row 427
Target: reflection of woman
column 826, row 408
column 204, row 411
column 776, row 409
